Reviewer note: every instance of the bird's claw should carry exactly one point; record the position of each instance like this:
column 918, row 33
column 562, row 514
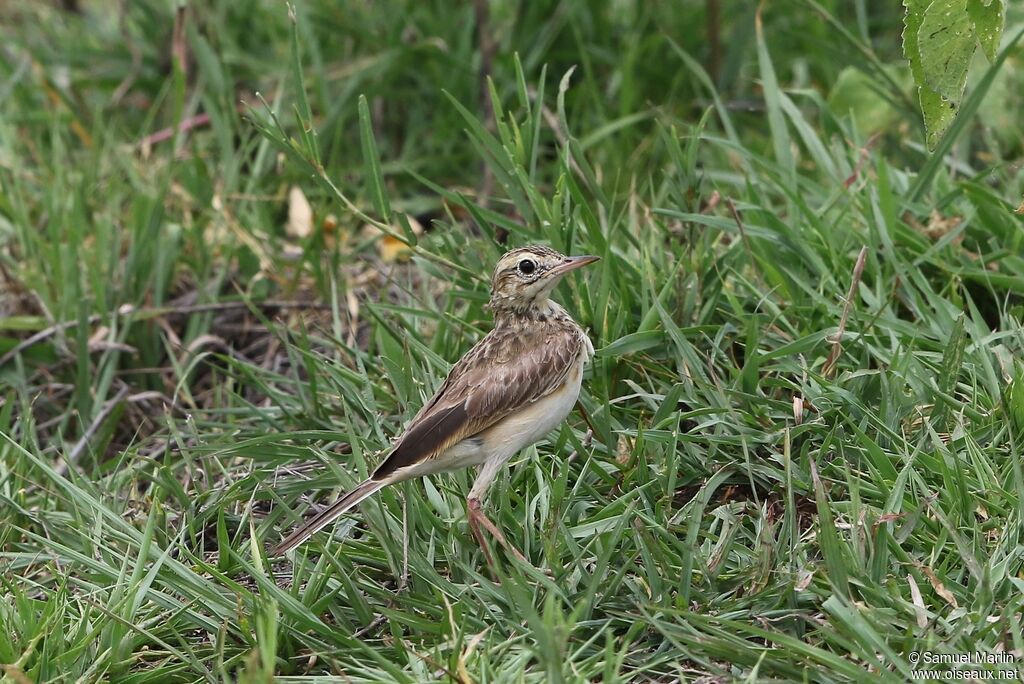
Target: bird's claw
column 478, row 519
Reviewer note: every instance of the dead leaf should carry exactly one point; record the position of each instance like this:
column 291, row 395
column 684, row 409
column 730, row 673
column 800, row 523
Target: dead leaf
column 939, row 587
column 938, row 227
column 889, row 517
column 300, row 215
column 623, row 450
column 179, row 46
column 919, row 608
column 16, row 674
column 392, row 249
column 100, row 335
column 461, row 671
column 329, row 224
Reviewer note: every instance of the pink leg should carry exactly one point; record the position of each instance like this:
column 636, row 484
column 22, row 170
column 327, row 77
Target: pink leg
column 477, row 519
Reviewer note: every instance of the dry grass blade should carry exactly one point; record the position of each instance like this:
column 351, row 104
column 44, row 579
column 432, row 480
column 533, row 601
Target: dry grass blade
column 837, row 341
column 97, row 421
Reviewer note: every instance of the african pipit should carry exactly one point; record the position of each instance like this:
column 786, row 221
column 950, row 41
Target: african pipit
column 510, row 390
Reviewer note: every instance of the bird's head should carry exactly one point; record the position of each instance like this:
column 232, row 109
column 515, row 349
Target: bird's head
column 524, row 277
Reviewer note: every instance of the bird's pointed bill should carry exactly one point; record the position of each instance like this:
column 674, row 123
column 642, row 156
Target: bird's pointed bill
column 572, row 263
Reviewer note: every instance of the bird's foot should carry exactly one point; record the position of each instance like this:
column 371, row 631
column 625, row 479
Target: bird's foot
column 478, row 519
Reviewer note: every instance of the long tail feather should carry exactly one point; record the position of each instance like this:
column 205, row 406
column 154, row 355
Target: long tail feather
column 324, row 518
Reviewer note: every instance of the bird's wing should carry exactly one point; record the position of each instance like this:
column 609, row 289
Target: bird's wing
column 504, row 372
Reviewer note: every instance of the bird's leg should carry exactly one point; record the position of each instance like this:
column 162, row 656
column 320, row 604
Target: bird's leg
column 477, row 518
column 472, row 512
column 488, row 470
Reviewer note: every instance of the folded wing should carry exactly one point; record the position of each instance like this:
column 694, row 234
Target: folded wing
column 506, row 371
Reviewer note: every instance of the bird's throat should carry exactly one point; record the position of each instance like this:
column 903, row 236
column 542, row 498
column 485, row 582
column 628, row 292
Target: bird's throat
column 540, row 309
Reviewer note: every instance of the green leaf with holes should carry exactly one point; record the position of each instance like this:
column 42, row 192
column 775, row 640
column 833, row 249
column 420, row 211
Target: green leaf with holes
column 946, row 41
column 939, row 41
column 989, row 18
column 911, row 25
column 938, row 114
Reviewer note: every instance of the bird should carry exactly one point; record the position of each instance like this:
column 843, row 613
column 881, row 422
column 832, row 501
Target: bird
column 516, row 385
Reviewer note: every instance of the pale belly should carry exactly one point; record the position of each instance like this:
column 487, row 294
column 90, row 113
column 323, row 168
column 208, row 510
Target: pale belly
column 512, row 434
column 532, row 423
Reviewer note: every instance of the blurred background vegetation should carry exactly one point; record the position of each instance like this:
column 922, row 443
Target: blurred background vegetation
column 240, row 241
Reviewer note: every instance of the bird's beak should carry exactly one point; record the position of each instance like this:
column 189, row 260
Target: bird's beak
column 572, row 263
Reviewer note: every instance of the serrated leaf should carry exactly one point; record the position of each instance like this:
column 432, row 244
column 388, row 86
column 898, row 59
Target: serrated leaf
column 988, row 24
column 946, row 42
column 911, row 25
column 938, row 114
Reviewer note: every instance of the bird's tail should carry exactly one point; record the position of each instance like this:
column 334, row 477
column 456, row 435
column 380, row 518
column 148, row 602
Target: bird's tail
column 324, row 518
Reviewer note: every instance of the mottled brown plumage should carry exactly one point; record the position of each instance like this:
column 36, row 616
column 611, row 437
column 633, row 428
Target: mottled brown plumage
column 512, row 366
column 506, row 392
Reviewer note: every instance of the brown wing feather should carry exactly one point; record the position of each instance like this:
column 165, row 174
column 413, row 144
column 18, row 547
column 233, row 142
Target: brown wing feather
column 432, row 434
column 508, row 369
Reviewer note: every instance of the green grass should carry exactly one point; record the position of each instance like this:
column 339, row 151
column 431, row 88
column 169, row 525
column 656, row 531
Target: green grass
column 203, row 378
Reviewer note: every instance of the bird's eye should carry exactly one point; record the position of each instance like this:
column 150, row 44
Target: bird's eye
column 527, row 266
